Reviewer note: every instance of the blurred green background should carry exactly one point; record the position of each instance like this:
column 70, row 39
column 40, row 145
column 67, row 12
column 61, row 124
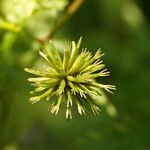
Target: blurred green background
column 121, row 28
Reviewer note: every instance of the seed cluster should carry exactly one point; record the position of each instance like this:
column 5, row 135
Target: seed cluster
column 70, row 79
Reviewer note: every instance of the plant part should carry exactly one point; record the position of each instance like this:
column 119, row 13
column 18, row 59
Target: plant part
column 70, row 79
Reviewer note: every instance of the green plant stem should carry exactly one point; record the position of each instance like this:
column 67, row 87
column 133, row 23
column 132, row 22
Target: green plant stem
column 72, row 8
column 4, row 114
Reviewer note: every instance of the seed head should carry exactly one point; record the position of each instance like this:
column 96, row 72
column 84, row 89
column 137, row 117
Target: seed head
column 69, row 79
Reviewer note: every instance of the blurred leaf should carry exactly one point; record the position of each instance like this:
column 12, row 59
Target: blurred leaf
column 9, row 26
column 20, row 11
column 132, row 14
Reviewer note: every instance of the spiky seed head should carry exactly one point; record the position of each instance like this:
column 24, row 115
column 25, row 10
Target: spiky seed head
column 70, row 79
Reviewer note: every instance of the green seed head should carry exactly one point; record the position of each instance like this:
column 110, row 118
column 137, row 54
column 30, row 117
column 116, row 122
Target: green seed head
column 70, row 79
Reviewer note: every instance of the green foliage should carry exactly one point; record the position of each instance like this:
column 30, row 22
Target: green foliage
column 121, row 29
column 23, row 9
